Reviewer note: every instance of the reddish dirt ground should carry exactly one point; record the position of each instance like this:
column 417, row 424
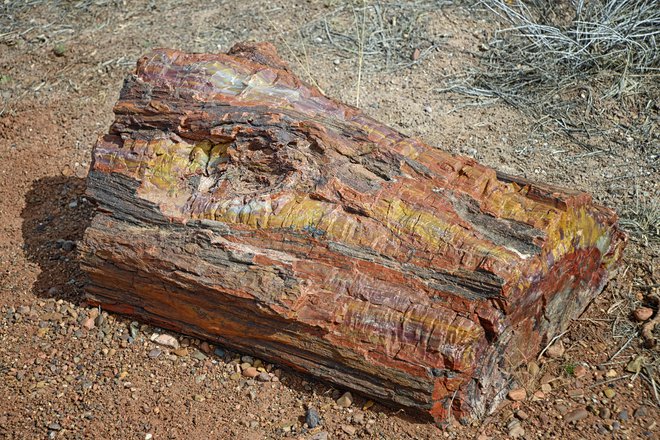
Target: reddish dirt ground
column 62, row 66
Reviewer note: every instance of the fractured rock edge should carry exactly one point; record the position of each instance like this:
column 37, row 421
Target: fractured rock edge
column 240, row 205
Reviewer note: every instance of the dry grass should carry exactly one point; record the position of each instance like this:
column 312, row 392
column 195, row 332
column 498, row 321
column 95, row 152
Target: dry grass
column 385, row 36
column 642, row 219
column 574, row 66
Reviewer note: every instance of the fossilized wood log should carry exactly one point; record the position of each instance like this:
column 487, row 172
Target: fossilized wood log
column 240, row 205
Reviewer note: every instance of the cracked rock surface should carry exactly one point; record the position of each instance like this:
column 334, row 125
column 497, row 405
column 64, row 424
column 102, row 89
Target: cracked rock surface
column 240, row 205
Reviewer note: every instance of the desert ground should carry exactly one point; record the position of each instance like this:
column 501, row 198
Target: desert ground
column 68, row 371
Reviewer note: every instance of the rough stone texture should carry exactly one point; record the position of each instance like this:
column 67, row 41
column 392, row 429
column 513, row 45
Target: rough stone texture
column 240, row 205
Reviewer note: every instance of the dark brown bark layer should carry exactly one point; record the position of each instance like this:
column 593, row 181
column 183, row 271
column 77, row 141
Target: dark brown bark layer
column 240, row 205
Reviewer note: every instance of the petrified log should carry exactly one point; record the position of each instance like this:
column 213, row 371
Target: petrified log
column 240, row 205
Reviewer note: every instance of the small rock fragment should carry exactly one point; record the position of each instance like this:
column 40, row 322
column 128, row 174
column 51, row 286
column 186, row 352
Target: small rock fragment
column 517, row 394
column 181, row 352
column 609, row 393
column 539, row 395
column 250, row 372
column 205, row 347
column 263, row 377
column 198, row 355
column 580, row 371
column 643, row 314
column 312, row 417
column 516, row 431
column 641, row 412
column 88, row 323
column 576, row 393
column 166, row 340
column 556, row 350
column 522, row 414
column 533, row 369
column 345, row 400
column 323, row 435
column 348, row 429
column 576, row 415
column 604, row 413
column 153, row 354
column 635, row 366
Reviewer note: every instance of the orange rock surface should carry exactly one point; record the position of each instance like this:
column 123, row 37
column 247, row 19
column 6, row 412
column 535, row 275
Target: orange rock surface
column 240, row 205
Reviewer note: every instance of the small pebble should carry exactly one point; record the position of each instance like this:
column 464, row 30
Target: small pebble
column 263, row 377
column 516, row 431
column 323, row 435
column 533, row 369
column 198, row 355
column 312, row 417
column 88, row 323
column 348, row 429
column 522, row 415
column 555, row 351
column 205, row 347
column 605, row 413
column 643, row 314
column 167, row 341
column 623, row 415
column 517, row 394
column 153, row 354
column 250, row 372
column 576, row 415
column 580, row 371
column 345, row 400
column 609, row 393
column 641, row 412
column 68, row 245
column 181, row 352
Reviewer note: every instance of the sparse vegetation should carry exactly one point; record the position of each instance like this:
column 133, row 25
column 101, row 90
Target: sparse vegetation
column 569, row 368
column 579, row 65
column 386, row 36
column 642, row 218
